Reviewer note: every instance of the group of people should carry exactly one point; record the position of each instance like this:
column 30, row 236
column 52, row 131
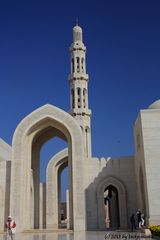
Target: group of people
column 140, row 220
column 11, row 225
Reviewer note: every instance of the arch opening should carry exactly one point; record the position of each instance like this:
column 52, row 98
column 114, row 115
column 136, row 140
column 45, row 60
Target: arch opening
column 111, row 207
column 38, row 194
column 112, row 204
column 33, row 131
column 62, row 198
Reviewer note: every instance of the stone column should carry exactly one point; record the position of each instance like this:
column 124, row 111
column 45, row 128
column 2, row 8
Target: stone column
column 2, row 192
column 32, row 201
column 52, row 199
column 41, row 205
column 36, row 170
column 67, row 204
column 59, row 197
column 107, row 220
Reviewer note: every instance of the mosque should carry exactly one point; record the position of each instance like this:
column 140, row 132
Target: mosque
column 103, row 192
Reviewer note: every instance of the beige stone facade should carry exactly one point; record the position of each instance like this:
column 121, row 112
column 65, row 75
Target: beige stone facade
column 103, row 193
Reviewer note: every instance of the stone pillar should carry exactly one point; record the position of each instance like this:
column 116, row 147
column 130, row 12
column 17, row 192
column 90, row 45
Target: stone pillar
column 107, row 220
column 3, row 167
column 32, row 201
column 67, row 205
column 41, row 205
column 59, row 197
column 70, row 201
column 52, row 198
column 36, row 170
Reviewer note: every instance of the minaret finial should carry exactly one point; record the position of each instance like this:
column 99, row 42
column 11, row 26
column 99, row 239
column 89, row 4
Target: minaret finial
column 76, row 21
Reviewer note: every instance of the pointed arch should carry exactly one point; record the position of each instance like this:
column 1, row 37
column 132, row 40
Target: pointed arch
column 45, row 118
column 117, row 184
column 56, row 162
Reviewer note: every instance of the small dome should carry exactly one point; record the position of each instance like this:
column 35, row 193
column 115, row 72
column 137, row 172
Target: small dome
column 77, row 29
column 155, row 105
column 77, row 34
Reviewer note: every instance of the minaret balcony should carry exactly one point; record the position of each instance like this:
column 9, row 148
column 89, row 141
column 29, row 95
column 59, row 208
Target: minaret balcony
column 78, row 76
column 77, row 46
column 80, row 111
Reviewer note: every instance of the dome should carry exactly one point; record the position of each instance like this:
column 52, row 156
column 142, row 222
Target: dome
column 155, row 105
column 77, row 29
column 77, row 34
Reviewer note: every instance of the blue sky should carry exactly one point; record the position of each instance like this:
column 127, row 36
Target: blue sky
column 123, row 63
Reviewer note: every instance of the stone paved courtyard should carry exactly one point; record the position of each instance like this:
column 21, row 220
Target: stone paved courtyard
column 96, row 235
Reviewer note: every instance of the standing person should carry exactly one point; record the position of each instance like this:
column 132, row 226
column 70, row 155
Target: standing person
column 133, row 222
column 139, row 218
column 142, row 221
column 11, row 227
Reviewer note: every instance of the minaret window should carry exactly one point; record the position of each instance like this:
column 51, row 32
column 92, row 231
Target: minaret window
column 84, row 97
column 79, row 97
column 78, row 91
column 82, row 64
column 78, row 64
column 72, row 96
column 73, row 67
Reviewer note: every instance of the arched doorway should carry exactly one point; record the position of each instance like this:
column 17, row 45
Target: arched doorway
column 39, row 140
column 41, row 125
column 111, row 207
column 62, row 204
column 48, row 150
column 53, row 184
column 111, row 203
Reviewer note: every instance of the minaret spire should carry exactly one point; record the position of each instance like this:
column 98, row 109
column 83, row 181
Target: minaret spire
column 78, row 79
column 76, row 21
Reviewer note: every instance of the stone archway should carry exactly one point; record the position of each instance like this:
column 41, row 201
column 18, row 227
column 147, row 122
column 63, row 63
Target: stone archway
column 40, row 123
column 104, row 184
column 111, row 207
column 39, row 140
column 52, row 185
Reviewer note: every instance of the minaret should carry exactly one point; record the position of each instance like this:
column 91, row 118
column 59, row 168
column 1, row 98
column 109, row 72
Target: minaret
column 78, row 80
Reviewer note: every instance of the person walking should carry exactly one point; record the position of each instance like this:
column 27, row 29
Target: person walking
column 133, row 222
column 11, row 227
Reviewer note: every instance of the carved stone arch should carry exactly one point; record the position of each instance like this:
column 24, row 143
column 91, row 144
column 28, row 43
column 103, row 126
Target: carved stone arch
column 52, row 198
column 82, row 128
column 102, row 185
column 34, row 124
column 87, row 129
column 78, row 89
column 82, row 64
